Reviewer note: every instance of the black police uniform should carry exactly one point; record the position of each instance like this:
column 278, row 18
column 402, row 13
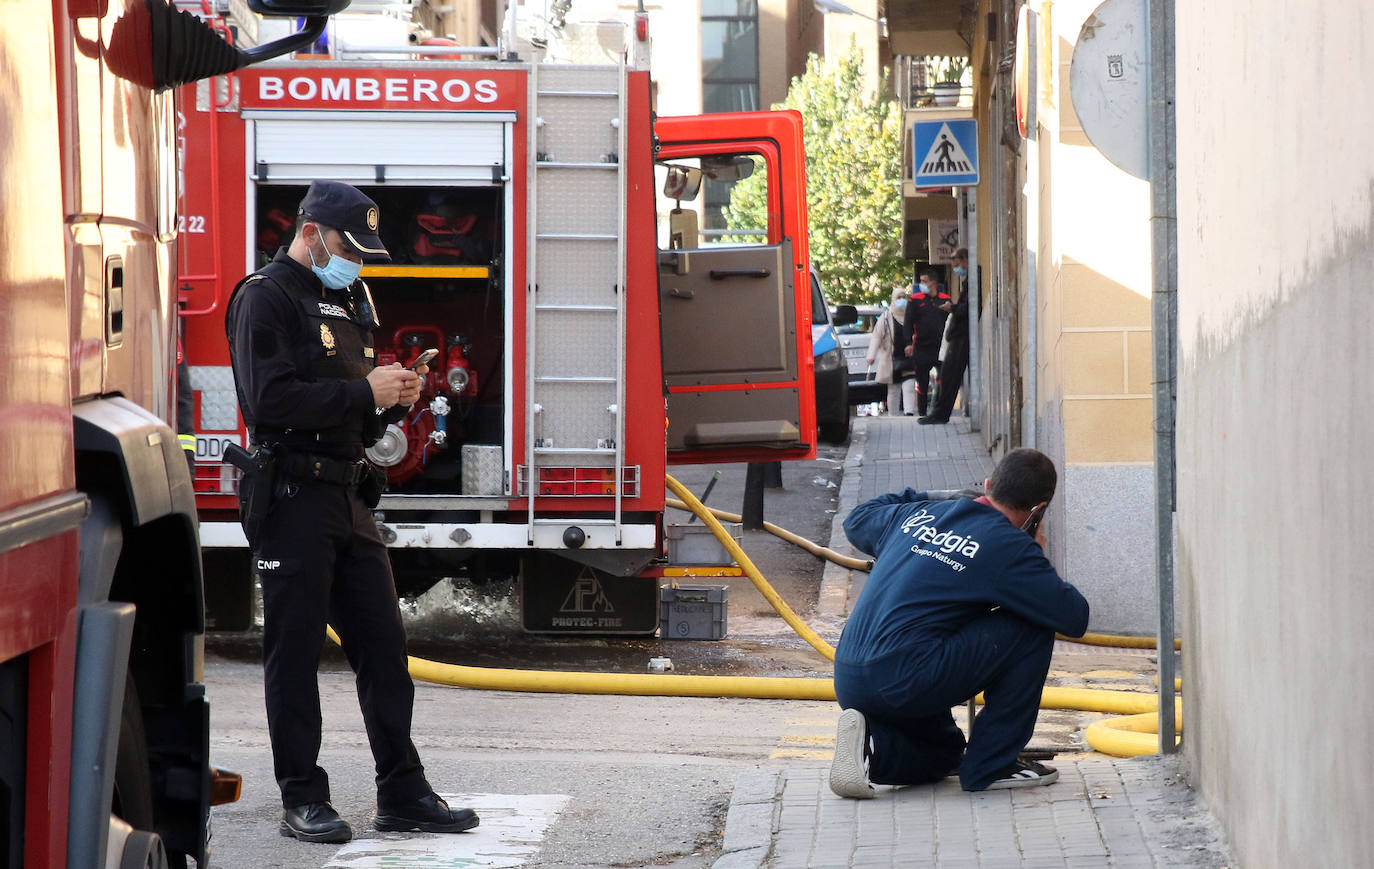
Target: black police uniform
column 930, row 328
column 301, row 354
column 956, row 361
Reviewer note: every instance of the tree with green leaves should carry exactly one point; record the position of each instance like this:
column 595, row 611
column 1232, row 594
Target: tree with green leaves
column 853, row 181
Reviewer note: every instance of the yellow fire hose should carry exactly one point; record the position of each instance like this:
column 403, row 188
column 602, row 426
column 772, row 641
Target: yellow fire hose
column 760, row 583
column 1118, row 641
column 810, row 546
column 1128, row 736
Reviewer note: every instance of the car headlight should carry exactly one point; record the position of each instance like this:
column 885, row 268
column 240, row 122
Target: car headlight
column 829, row 360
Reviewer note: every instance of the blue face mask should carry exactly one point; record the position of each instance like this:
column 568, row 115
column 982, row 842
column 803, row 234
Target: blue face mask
column 899, row 308
column 960, row 271
column 338, row 272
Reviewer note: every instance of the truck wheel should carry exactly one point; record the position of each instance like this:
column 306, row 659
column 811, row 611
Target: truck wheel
column 415, row 572
column 228, row 589
column 133, row 784
column 143, row 850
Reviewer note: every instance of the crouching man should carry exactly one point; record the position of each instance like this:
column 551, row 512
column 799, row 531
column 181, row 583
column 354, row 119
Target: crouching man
column 961, row 599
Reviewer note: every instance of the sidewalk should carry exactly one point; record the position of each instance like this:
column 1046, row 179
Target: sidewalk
column 1103, row 811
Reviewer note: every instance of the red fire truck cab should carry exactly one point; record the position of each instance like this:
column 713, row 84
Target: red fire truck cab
column 589, row 334
column 104, row 722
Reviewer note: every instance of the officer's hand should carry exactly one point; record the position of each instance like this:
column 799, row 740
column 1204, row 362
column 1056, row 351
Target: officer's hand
column 1040, row 536
column 910, row 350
column 410, row 392
column 388, row 383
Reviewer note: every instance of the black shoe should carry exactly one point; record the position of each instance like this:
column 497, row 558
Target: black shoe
column 315, row 822
column 933, row 420
column 428, row 814
column 1025, row 774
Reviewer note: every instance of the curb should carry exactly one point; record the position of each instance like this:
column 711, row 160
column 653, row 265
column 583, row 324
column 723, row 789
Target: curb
column 751, row 820
column 836, row 580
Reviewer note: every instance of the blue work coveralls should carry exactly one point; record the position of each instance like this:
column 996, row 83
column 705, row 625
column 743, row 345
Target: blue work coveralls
column 959, row 601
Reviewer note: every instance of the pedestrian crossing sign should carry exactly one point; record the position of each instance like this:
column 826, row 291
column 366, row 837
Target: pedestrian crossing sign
column 944, row 153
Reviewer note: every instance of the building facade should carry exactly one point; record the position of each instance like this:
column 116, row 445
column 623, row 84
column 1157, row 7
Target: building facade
column 1275, row 245
column 1061, row 240
column 1275, row 253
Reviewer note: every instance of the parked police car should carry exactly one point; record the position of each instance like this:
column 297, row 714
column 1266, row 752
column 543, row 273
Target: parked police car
column 832, row 375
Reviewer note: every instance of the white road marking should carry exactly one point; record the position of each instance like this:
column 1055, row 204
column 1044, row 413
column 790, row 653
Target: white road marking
column 509, row 835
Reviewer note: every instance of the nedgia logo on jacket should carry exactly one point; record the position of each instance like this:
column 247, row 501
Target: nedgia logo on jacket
column 922, row 529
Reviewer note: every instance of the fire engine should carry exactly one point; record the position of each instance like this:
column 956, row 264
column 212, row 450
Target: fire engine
column 585, row 344
column 104, row 723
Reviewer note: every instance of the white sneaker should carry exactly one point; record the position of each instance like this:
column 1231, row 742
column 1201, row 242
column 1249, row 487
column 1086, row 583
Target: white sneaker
column 849, row 769
column 1025, row 774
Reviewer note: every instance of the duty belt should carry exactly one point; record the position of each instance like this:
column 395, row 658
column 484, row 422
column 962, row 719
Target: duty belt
column 341, row 472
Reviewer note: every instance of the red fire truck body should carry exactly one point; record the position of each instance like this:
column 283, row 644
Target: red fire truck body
column 517, row 199
column 104, row 723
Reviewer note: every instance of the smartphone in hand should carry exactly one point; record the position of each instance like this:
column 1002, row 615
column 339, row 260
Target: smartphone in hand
column 423, row 359
column 1032, row 523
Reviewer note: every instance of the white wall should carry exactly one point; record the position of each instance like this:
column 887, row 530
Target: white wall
column 1087, row 230
column 1276, row 280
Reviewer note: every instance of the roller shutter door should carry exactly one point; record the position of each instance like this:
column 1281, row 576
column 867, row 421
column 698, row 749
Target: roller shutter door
column 451, row 148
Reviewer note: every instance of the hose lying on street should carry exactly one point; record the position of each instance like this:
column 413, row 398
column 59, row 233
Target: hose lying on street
column 1130, row 735
column 1117, row 641
column 810, row 546
column 630, row 684
column 1127, row 736
column 750, row 570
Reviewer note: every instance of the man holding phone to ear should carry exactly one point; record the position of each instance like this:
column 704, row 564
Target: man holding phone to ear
column 300, row 339
column 961, row 599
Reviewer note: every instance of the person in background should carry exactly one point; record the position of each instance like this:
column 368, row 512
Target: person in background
column 960, row 600
column 956, row 348
column 928, row 303
column 882, row 352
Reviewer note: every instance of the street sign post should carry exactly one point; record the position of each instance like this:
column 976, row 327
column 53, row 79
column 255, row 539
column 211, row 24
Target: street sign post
column 944, row 153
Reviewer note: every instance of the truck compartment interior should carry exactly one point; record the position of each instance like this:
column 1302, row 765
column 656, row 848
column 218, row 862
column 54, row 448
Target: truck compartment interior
column 443, row 289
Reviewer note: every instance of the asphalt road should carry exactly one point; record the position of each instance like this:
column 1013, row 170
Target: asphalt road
column 560, row 780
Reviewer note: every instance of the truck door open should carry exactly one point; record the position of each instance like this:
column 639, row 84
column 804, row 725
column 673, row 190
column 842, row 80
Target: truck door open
column 734, row 301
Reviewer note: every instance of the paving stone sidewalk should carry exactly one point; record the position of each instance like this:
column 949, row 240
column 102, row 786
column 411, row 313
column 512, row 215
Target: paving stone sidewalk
column 1103, row 811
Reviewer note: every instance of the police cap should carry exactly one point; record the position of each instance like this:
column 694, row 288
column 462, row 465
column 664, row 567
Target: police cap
column 346, row 208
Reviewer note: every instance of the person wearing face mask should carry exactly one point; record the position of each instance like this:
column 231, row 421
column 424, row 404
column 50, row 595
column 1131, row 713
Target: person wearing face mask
column 956, row 349
column 300, row 340
column 930, row 304
column 888, row 361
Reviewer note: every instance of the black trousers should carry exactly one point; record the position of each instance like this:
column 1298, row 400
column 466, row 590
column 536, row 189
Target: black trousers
column 906, row 699
column 951, row 376
column 925, row 360
column 322, row 561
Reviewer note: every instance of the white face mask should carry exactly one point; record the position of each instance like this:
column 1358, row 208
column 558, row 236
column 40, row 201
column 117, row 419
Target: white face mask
column 337, row 273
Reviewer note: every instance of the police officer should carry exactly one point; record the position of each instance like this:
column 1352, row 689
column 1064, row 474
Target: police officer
column 300, row 337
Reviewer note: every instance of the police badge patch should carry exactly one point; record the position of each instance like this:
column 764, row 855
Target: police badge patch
column 372, row 219
column 327, row 339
